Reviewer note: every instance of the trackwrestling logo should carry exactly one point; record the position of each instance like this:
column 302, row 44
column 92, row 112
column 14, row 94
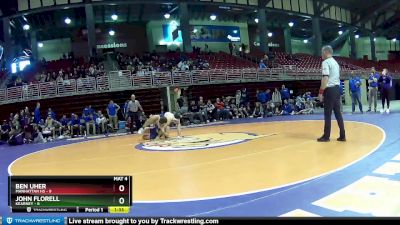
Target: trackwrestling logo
column 36, row 220
column 198, row 142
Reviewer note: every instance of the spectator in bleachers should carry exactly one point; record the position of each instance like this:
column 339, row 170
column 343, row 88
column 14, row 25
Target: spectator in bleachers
column 262, row 65
column 355, row 92
column 230, row 45
column 112, row 111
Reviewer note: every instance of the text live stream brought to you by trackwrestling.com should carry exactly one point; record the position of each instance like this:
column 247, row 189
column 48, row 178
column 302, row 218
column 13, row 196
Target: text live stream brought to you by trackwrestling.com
column 11, row 220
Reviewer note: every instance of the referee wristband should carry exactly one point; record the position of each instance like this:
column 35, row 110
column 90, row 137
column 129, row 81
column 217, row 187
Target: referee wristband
column 321, row 91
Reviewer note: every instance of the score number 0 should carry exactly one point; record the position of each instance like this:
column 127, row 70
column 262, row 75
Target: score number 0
column 121, row 200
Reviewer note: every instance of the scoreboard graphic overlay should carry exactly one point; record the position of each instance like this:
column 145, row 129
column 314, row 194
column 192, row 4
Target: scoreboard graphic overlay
column 86, row 194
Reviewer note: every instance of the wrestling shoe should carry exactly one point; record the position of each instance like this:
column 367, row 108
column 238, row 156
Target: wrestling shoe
column 382, row 111
column 387, row 111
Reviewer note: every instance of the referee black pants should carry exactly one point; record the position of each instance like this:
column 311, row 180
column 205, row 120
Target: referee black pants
column 135, row 121
column 332, row 102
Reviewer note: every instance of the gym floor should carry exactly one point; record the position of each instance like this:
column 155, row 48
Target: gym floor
column 250, row 167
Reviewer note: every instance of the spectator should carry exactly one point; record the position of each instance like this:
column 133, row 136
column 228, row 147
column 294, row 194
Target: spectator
column 203, row 109
column 64, row 124
column 90, row 123
column 262, row 65
column 287, row 108
column 373, row 89
column 37, row 113
column 385, row 82
column 222, row 113
column 309, row 108
column 245, row 98
column 112, row 111
column 194, row 110
column 5, row 131
column 285, row 93
column 276, row 98
column 211, row 110
column 101, row 122
column 355, row 92
column 262, row 98
column 75, row 125
column 51, row 113
column 88, row 111
column 230, row 48
column 258, row 111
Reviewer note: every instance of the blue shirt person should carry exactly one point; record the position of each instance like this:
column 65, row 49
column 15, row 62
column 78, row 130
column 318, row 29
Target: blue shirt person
column 262, row 97
column 262, row 65
column 112, row 109
column 355, row 92
column 88, row 110
column 373, row 81
column 285, row 93
column 287, row 108
column 37, row 116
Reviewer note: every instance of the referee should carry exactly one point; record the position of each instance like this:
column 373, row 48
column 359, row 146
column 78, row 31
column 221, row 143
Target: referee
column 134, row 113
column 329, row 93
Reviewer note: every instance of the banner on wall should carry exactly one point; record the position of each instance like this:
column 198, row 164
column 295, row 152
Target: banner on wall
column 201, row 33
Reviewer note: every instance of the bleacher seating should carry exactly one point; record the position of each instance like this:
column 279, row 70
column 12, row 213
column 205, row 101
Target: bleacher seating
column 150, row 99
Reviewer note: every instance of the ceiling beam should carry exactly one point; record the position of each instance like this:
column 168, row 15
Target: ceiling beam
column 374, row 12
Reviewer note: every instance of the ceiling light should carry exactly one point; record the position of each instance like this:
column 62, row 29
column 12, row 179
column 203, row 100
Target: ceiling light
column 111, row 33
column 67, row 20
column 291, row 24
column 167, row 15
column 26, row 27
column 213, row 17
column 114, row 17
